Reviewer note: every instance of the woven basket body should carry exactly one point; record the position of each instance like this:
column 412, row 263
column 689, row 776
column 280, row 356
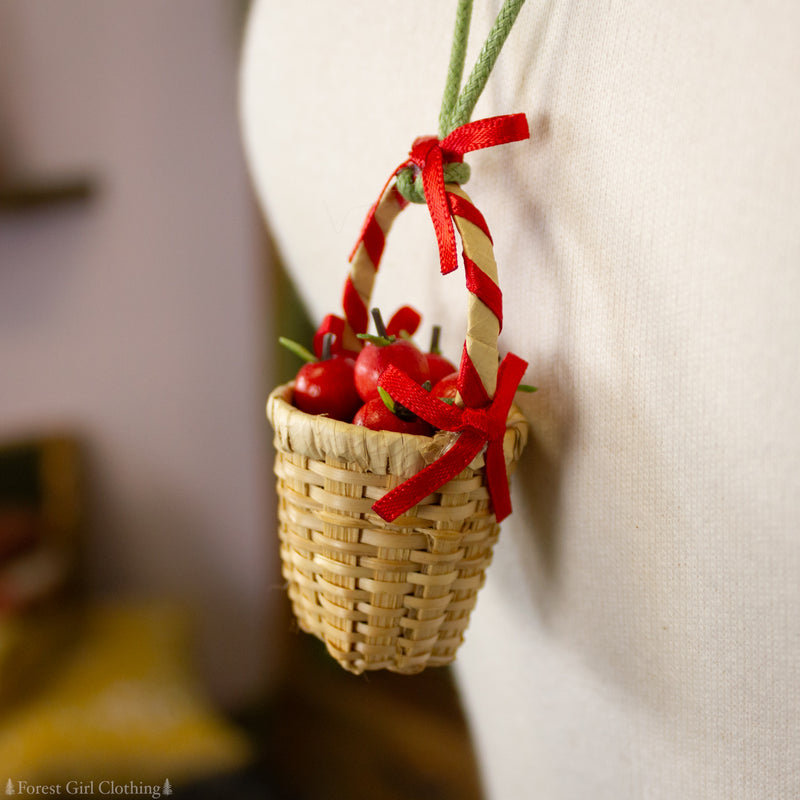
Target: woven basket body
column 381, row 595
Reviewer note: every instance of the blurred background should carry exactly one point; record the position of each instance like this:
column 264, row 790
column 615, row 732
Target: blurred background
column 144, row 633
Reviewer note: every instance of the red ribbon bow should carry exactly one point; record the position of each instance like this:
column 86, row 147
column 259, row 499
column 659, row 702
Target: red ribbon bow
column 476, row 427
column 430, row 154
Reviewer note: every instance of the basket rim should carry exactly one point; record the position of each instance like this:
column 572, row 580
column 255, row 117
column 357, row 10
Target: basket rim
column 381, row 452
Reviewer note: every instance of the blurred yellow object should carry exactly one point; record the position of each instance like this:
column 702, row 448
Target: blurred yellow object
column 123, row 705
column 30, row 644
column 42, row 519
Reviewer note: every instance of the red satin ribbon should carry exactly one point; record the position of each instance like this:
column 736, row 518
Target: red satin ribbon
column 406, row 318
column 335, row 325
column 476, row 426
column 430, row 154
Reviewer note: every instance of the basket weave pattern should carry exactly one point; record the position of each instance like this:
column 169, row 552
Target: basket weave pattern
column 381, row 595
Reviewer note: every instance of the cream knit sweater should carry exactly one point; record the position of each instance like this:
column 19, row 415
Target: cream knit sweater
column 639, row 632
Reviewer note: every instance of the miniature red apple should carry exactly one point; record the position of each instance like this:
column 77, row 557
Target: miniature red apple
column 379, row 353
column 447, row 387
column 438, row 365
column 377, row 415
column 326, row 386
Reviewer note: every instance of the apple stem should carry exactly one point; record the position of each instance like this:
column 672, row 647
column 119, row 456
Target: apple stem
column 435, row 334
column 327, row 343
column 297, row 349
column 524, row 387
column 379, row 326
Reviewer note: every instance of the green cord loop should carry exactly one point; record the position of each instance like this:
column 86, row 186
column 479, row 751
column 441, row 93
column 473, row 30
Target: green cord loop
column 455, row 71
column 465, row 105
column 457, row 108
column 409, row 180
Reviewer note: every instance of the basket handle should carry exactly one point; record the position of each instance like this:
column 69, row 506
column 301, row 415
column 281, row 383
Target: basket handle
column 484, row 309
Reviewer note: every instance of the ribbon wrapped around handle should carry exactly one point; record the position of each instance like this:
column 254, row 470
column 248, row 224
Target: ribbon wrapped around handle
column 429, row 155
column 477, row 427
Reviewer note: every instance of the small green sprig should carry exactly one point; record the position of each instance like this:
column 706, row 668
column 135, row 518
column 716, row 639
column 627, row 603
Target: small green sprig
column 298, row 349
column 399, row 411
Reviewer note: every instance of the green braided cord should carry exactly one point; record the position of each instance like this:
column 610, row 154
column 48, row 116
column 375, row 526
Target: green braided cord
column 456, row 111
column 409, row 180
column 465, row 104
column 458, row 54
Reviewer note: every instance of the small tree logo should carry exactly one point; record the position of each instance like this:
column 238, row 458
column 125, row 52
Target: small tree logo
column 10, row 787
column 167, row 788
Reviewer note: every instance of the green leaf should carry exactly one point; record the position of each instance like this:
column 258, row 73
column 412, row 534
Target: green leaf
column 297, row 349
column 387, row 399
column 378, row 341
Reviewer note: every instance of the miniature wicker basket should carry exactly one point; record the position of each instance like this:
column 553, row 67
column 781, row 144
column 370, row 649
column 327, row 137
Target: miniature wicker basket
column 382, row 595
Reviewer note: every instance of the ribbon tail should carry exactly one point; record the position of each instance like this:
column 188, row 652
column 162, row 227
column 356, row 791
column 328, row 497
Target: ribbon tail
column 406, row 318
column 497, row 480
column 439, row 208
column 509, row 375
column 330, row 324
column 489, row 132
column 405, row 496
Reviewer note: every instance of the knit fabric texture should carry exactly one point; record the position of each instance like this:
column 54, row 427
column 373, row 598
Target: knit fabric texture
column 638, row 633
